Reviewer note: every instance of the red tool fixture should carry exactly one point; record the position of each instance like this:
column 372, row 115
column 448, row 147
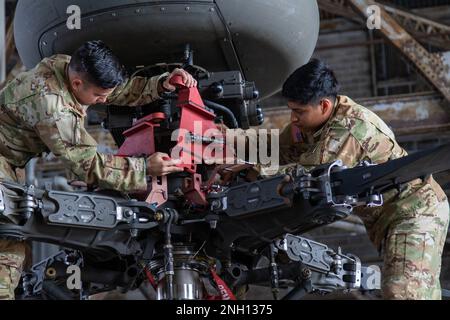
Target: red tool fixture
column 197, row 131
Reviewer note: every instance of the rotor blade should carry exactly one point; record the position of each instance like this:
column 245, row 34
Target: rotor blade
column 359, row 180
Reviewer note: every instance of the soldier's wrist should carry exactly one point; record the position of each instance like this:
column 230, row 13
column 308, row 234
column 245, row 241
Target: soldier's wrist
column 161, row 87
column 145, row 165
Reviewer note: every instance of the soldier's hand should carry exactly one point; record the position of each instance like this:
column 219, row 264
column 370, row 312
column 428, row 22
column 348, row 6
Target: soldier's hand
column 188, row 79
column 160, row 164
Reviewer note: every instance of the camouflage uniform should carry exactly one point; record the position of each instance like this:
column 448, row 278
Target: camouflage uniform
column 411, row 227
column 39, row 114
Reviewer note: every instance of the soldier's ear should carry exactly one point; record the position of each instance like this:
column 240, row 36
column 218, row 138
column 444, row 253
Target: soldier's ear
column 326, row 105
column 75, row 79
column 77, row 83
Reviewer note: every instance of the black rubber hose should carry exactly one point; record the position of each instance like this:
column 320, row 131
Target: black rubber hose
column 223, row 109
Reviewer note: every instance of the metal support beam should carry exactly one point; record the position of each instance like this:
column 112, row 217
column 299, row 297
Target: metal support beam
column 424, row 29
column 432, row 66
column 434, row 33
column 340, row 8
column 2, row 42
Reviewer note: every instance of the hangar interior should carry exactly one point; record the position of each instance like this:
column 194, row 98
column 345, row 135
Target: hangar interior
column 402, row 73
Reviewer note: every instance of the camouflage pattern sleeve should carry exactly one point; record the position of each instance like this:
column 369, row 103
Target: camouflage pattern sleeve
column 378, row 143
column 137, row 91
column 63, row 132
column 341, row 144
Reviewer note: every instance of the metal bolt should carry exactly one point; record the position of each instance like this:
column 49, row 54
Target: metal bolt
column 44, row 43
column 114, row 14
column 50, row 272
column 187, row 8
column 162, row 9
column 128, row 213
column 216, row 204
column 138, row 10
column 212, row 9
column 306, row 273
column 158, row 216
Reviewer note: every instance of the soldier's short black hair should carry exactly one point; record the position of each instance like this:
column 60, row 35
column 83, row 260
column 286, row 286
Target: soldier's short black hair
column 310, row 83
column 99, row 64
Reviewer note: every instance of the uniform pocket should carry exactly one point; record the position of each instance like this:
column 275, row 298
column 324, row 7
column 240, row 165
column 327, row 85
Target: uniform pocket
column 86, row 138
column 412, row 257
column 407, row 272
column 69, row 127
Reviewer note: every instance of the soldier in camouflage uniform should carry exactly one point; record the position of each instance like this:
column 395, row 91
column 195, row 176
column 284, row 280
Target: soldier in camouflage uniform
column 411, row 227
column 43, row 110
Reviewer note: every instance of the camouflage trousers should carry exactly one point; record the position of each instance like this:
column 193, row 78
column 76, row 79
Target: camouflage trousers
column 12, row 256
column 410, row 230
column 12, row 253
column 412, row 255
